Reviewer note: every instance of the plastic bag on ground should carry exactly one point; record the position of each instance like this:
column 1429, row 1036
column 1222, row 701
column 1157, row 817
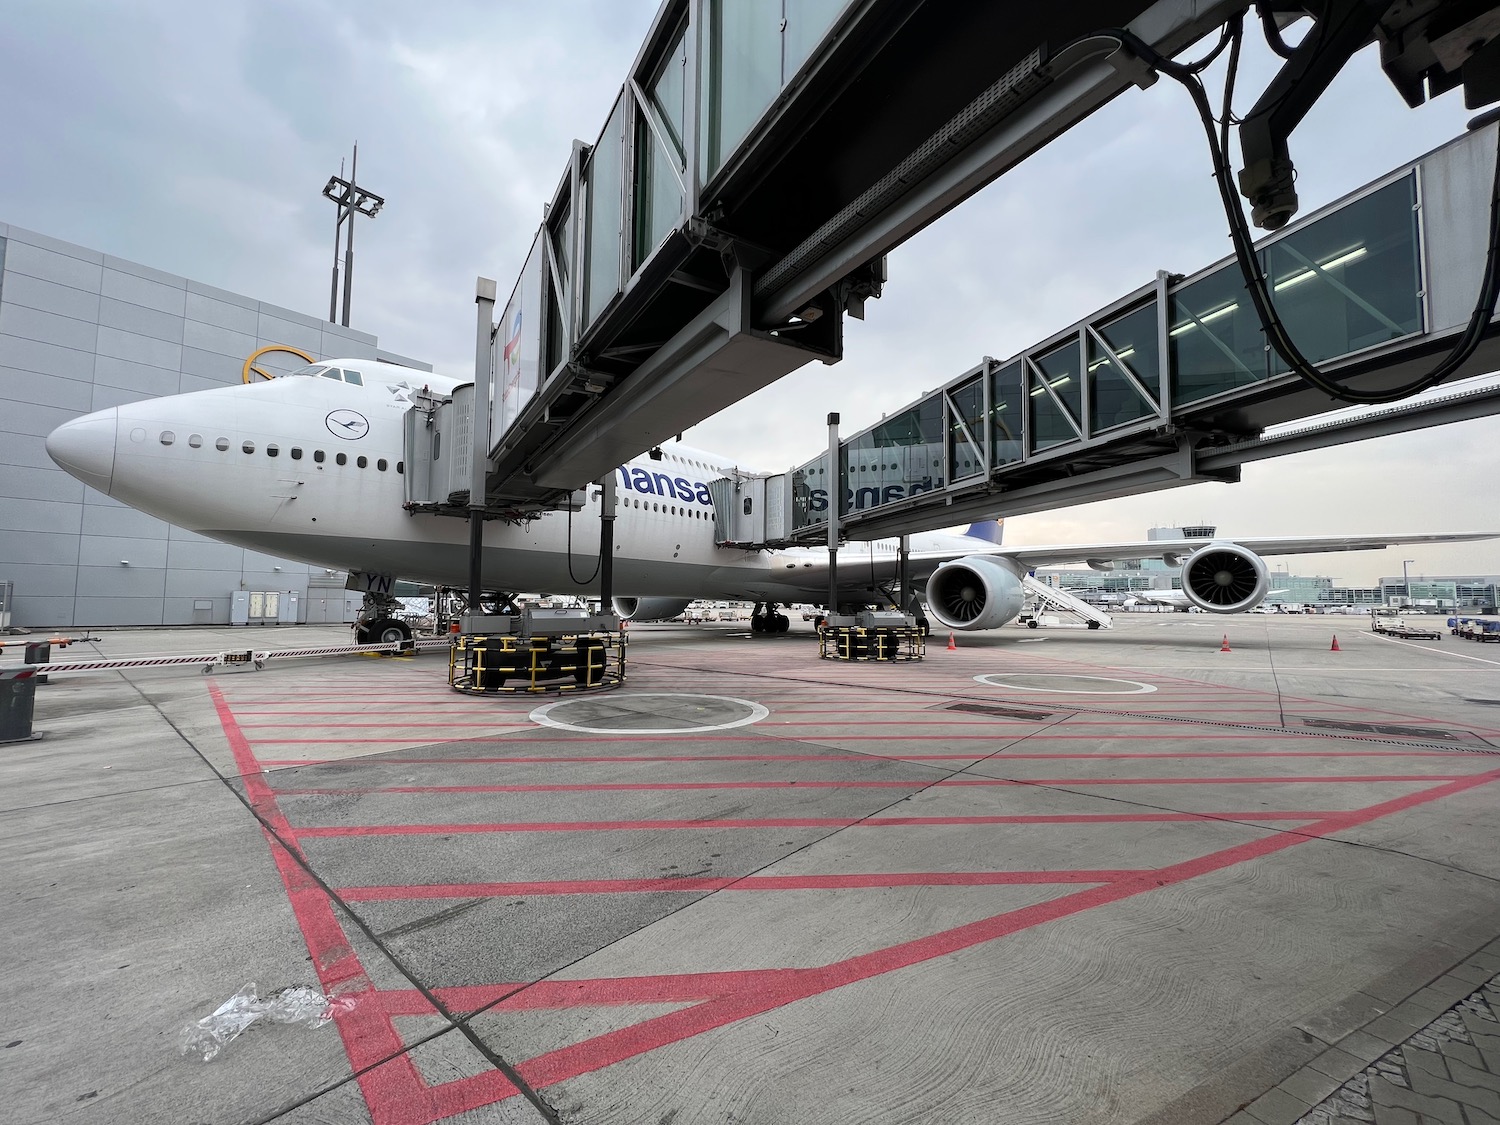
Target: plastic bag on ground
column 296, row 1004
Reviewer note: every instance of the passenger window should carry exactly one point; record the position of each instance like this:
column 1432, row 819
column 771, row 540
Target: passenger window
column 296, row 453
column 248, row 447
column 362, row 462
column 318, row 456
column 381, row 464
column 341, row 458
column 272, row 451
column 221, row 444
column 352, row 376
column 168, row 437
column 195, row 440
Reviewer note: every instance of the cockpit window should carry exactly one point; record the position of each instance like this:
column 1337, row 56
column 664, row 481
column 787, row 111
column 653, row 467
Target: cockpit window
column 311, row 369
column 352, row 376
column 332, row 373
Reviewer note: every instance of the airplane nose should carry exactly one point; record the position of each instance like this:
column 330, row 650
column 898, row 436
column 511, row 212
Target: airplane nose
column 85, row 447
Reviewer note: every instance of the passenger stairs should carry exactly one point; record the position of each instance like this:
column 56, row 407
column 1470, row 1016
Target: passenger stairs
column 1062, row 600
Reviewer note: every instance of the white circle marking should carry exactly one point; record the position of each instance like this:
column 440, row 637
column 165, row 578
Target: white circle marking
column 543, row 715
column 994, row 679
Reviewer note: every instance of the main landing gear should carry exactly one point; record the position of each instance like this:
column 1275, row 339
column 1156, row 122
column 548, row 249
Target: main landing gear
column 767, row 618
column 377, row 623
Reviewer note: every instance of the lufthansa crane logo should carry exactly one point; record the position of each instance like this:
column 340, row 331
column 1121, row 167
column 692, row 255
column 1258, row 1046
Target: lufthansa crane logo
column 349, row 424
column 250, row 372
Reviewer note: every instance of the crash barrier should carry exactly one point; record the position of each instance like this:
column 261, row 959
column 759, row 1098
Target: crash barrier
column 516, row 664
column 886, row 643
column 242, row 658
column 17, row 700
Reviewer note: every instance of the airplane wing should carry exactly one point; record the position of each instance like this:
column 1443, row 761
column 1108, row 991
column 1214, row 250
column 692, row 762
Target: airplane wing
column 1032, row 557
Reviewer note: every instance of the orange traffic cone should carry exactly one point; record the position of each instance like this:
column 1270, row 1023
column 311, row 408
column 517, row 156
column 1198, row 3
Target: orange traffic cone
column 952, row 644
column 1225, row 646
column 1335, row 647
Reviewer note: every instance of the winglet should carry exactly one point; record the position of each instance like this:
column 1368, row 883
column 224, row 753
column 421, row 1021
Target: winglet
column 990, row 531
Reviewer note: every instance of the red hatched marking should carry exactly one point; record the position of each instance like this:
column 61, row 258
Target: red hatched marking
column 398, row 1095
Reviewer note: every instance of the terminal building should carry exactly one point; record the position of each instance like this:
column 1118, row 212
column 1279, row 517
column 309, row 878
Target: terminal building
column 83, row 331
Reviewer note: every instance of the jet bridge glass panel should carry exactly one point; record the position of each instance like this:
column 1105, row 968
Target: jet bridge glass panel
column 754, row 47
column 602, row 176
column 810, row 494
column 1007, row 415
column 659, row 188
column 1056, row 396
column 1124, row 370
column 900, row 457
column 1347, row 281
column 1351, row 280
column 966, row 430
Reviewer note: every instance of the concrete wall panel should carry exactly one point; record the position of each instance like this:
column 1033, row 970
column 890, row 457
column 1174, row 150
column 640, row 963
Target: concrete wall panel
column 49, row 265
column 204, row 554
column 41, row 612
column 142, row 285
column 49, row 359
column 279, row 330
column 44, row 390
column 30, row 418
column 141, row 349
column 110, row 551
column 113, row 519
column 221, row 314
column 40, row 548
column 149, row 381
column 39, row 515
column 224, row 295
column 35, row 293
column 41, row 580
column 88, row 611
column 28, row 450
column 47, row 328
column 221, row 369
column 41, row 484
column 224, row 341
column 181, row 611
column 123, row 582
column 105, row 397
column 142, row 321
column 204, row 583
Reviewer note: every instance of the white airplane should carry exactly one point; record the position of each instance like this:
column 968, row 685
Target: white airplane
column 1177, row 599
column 310, row 466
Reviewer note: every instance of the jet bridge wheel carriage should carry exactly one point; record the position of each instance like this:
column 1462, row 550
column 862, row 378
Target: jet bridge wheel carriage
column 887, row 638
column 511, row 664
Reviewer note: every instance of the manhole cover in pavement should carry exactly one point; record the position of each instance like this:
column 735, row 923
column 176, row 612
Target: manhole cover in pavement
column 650, row 713
column 1066, row 685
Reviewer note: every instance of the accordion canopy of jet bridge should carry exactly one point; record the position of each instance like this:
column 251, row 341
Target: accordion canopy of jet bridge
column 1175, row 384
column 760, row 160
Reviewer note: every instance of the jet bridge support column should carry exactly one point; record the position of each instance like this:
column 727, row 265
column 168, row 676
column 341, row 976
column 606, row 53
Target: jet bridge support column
column 835, row 498
column 607, row 544
column 484, row 298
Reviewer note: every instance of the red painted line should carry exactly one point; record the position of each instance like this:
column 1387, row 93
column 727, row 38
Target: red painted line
column 730, row 883
column 788, row 822
column 394, row 1090
column 881, row 783
column 862, row 759
column 772, row 992
column 488, row 724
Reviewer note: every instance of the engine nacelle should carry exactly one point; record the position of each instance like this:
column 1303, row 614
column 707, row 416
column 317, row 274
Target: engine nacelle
column 974, row 592
column 1224, row 578
column 649, row 609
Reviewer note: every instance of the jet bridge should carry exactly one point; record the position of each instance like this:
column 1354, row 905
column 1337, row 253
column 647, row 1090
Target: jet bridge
column 1174, row 383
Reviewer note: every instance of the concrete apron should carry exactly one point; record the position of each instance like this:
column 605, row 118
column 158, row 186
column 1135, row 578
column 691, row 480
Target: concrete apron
column 1009, row 883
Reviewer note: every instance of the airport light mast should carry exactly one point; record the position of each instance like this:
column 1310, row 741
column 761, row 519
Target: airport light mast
column 351, row 200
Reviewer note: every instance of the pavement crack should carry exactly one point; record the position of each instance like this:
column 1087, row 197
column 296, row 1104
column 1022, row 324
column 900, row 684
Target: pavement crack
column 431, row 919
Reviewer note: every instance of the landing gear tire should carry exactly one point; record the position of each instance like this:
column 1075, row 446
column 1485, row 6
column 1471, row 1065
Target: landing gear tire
column 386, row 631
column 779, row 623
column 757, row 624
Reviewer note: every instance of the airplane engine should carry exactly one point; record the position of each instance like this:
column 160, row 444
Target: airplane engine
column 1224, row 578
column 649, row 609
column 973, row 593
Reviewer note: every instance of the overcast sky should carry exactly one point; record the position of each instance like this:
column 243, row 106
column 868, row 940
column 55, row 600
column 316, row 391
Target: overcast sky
column 196, row 138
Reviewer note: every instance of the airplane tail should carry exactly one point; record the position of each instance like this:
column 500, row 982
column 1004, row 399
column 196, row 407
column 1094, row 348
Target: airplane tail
column 991, row 531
